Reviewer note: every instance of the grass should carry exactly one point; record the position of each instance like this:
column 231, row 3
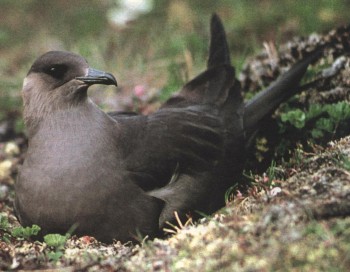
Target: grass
column 172, row 37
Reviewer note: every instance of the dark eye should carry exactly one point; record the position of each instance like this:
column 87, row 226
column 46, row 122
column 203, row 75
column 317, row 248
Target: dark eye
column 57, row 71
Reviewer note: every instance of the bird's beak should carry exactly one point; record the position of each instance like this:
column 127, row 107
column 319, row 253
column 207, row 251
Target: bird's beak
column 98, row 77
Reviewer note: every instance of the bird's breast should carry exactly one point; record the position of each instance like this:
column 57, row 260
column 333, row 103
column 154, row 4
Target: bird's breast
column 67, row 161
column 71, row 147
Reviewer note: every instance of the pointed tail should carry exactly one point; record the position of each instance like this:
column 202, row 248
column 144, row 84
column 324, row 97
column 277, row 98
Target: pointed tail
column 213, row 85
column 269, row 99
column 218, row 50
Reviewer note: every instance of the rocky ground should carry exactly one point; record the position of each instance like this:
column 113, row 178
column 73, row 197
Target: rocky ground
column 295, row 217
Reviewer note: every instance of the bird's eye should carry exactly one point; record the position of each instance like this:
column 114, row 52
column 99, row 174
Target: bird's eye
column 57, row 71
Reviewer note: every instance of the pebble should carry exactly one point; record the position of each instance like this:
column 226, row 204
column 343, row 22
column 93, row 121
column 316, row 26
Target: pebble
column 11, row 149
column 4, row 192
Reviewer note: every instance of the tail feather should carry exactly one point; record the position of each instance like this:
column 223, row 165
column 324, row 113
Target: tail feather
column 269, row 99
column 219, row 53
column 214, row 85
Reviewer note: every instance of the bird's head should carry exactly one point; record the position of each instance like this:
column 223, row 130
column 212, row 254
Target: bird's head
column 57, row 81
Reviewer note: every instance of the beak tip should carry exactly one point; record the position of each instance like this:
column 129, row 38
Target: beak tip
column 98, row 77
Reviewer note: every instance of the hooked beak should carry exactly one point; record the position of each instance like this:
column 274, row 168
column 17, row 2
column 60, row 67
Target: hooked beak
column 98, row 77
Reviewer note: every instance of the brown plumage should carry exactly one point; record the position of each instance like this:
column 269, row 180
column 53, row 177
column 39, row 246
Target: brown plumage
column 117, row 174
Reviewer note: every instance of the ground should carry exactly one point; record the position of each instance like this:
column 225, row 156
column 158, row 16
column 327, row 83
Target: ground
column 299, row 223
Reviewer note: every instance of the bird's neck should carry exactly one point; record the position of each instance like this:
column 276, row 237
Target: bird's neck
column 59, row 119
column 73, row 132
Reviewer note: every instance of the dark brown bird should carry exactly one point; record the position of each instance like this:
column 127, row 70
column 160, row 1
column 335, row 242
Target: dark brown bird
column 115, row 175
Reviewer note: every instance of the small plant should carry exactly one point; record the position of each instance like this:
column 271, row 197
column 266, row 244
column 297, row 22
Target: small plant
column 25, row 232
column 54, row 255
column 342, row 161
column 56, row 240
column 323, row 119
column 229, row 194
column 4, row 226
column 294, row 117
column 4, row 222
column 18, row 232
column 315, row 125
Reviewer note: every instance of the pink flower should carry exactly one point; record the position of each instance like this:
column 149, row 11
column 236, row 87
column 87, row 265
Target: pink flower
column 139, row 90
column 239, row 195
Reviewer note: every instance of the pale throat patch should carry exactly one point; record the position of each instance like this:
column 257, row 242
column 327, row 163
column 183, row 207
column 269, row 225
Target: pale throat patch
column 26, row 83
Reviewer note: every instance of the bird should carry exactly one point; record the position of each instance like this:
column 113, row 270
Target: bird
column 120, row 175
